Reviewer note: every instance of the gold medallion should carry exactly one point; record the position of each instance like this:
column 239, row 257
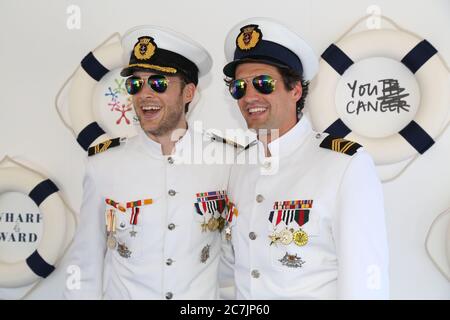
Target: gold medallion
column 213, row 224
column 300, row 237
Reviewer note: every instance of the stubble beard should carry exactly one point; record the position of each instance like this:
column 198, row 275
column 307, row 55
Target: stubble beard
column 168, row 124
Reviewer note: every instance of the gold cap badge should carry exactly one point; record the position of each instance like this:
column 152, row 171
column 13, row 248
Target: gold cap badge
column 249, row 37
column 144, row 48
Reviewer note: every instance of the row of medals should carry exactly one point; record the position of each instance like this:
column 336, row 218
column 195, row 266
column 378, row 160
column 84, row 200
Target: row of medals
column 213, row 224
column 287, row 236
column 111, row 240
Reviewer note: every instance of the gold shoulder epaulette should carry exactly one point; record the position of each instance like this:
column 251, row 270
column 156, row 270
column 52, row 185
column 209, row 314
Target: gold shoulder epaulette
column 340, row 145
column 105, row 145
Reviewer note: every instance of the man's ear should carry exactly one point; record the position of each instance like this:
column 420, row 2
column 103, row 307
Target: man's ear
column 297, row 91
column 189, row 92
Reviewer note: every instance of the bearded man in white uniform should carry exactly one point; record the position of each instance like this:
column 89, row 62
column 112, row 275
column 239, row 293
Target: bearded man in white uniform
column 151, row 216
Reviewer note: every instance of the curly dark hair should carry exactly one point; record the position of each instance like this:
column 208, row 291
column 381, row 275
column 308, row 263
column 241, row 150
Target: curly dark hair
column 290, row 79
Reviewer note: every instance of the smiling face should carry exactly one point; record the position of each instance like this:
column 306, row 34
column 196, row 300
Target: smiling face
column 276, row 110
column 160, row 113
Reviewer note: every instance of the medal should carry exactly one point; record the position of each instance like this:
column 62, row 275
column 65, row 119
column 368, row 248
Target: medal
column 274, row 238
column 111, row 241
column 228, row 233
column 291, row 261
column 201, row 211
column 221, row 223
column 134, row 219
column 204, row 254
column 204, row 226
column 285, row 237
column 213, row 224
column 300, row 237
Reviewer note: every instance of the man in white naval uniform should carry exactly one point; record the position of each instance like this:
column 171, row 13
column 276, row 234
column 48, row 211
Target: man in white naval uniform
column 309, row 218
column 151, row 218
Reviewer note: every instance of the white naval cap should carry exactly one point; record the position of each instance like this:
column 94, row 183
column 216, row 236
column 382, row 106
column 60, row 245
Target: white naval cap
column 267, row 40
column 163, row 50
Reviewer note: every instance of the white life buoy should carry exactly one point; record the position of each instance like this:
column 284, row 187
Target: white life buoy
column 44, row 193
column 419, row 56
column 437, row 243
column 92, row 69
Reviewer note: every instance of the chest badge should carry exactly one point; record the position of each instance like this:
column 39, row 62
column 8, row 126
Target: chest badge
column 204, row 255
column 123, row 250
column 291, row 261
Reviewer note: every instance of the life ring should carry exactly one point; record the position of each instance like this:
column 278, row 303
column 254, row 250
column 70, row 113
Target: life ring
column 419, row 56
column 40, row 264
column 437, row 243
column 94, row 66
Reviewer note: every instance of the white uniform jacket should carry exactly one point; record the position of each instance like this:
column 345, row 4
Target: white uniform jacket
column 335, row 198
column 167, row 254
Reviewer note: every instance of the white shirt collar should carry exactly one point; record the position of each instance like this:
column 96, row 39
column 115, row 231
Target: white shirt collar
column 292, row 139
column 184, row 143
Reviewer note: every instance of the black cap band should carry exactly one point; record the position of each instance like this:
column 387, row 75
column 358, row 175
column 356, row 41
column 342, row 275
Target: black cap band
column 266, row 51
column 164, row 59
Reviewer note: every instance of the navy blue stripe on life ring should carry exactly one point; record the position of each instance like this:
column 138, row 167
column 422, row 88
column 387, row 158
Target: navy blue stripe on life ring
column 418, row 56
column 93, row 67
column 88, row 135
column 337, row 59
column 338, row 129
column 42, row 191
column 38, row 265
column 418, row 138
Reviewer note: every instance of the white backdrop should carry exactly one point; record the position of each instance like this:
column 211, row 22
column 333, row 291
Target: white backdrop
column 38, row 52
